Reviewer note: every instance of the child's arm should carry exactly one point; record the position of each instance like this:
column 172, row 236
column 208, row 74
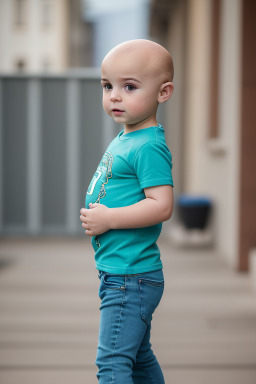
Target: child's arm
column 155, row 208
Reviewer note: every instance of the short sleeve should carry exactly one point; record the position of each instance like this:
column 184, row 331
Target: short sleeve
column 153, row 165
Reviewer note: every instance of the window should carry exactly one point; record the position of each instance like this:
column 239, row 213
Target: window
column 46, row 7
column 20, row 65
column 46, row 65
column 20, row 12
column 214, row 132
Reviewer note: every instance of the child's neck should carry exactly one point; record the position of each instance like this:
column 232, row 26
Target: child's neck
column 135, row 127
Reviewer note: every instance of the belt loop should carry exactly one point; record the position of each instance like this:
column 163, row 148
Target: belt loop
column 100, row 274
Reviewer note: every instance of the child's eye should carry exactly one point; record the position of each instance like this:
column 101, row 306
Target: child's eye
column 107, row 86
column 130, row 87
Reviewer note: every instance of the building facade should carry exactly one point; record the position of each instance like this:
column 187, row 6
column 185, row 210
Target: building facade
column 212, row 116
column 43, row 36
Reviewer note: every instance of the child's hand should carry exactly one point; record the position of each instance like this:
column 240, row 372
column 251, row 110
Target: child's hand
column 95, row 220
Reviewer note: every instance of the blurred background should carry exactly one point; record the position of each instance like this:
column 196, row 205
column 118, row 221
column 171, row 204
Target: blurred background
column 53, row 132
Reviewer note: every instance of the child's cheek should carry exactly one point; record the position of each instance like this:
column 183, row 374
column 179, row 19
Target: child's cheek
column 105, row 105
column 138, row 107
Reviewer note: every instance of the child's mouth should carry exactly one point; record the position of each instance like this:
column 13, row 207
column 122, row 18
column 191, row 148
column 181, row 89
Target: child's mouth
column 117, row 112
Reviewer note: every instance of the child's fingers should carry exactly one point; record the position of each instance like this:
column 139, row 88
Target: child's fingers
column 94, row 205
column 88, row 232
column 83, row 218
column 83, row 211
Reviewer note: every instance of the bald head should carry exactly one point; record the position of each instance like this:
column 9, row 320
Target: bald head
column 136, row 77
column 150, row 56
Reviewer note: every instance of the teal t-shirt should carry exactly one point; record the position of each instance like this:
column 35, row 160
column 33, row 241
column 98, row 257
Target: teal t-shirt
column 132, row 162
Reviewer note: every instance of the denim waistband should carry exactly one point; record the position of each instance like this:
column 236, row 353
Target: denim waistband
column 128, row 275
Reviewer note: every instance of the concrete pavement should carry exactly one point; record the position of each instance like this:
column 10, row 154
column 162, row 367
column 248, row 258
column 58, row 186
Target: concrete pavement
column 204, row 331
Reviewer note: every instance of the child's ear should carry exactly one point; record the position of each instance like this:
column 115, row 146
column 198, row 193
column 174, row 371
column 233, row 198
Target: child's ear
column 165, row 92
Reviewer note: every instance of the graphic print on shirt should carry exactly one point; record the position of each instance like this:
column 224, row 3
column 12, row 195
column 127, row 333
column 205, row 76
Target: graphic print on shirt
column 99, row 180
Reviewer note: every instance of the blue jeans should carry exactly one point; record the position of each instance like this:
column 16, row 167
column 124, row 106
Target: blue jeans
column 124, row 354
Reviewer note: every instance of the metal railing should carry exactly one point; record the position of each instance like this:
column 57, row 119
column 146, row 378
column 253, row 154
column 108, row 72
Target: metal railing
column 53, row 133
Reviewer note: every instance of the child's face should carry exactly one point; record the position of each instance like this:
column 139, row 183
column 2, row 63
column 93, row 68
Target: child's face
column 130, row 91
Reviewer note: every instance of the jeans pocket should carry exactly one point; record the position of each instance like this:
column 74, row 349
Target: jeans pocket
column 110, row 283
column 151, row 292
column 113, row 281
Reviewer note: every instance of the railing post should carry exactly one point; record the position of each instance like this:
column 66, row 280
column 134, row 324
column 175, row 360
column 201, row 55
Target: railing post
column 1, row 156
column 34, row 156
column 73, row 124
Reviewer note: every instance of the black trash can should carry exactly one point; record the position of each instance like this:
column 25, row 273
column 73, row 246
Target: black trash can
column 194, row 211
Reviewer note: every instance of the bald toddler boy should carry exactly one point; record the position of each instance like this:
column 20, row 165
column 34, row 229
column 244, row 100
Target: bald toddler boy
column 130, row 195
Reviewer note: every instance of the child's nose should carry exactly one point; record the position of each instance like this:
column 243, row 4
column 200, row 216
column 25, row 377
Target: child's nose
column 115, row 96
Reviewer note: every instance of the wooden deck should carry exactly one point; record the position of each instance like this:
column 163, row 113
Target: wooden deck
column 204, row 331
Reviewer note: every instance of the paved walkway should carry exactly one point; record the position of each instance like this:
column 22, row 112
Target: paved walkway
column 204, row 331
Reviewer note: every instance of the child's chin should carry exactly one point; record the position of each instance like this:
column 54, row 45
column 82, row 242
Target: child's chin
column 119, row 119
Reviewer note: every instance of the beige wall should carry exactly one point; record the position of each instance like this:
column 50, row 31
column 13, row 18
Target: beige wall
column 230, row 125
column 211, row 167
column 175, row 106
column 32, row 42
